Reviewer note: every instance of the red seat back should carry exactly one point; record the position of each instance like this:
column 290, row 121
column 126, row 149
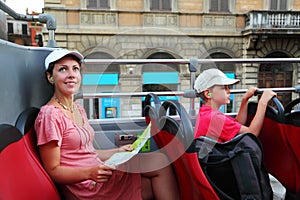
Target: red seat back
column 175, row 138
column 25, row 124
column 280, row 143
column 22, row 175
column 151, row 109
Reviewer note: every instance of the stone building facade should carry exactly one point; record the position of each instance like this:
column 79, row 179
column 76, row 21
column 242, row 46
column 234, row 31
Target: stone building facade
column 179, row 29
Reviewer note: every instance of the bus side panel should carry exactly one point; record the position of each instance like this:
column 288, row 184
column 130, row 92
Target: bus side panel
column 22, row 80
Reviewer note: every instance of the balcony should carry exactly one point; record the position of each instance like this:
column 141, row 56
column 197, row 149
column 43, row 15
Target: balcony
column 275, row 22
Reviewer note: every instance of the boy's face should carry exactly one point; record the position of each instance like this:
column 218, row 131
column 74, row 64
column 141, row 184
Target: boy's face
column 220, row 94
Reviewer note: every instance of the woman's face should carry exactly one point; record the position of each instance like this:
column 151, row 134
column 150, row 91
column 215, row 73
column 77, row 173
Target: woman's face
column 221, row 94
column 67, row 76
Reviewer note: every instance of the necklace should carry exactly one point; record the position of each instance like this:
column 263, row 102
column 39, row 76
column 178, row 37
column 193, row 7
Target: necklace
column 71, row 109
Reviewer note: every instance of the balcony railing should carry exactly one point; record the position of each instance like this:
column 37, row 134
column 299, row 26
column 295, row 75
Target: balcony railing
column 273, row 20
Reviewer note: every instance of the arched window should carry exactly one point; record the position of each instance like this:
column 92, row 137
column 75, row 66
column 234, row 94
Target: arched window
column 153, row 71
column 101, row 78
column 161, row 77
column 229, row 70
column 276, row 75
column 101, row 68
column 225, row 67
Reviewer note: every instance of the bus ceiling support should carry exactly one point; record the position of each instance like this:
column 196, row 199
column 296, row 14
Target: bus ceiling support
column 43, row 18
column 193, row 66
column 297, row 89
column 51, row 26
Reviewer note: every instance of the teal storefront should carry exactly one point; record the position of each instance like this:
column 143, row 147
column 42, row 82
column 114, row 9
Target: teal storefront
column 109, row 107
column 162, row 81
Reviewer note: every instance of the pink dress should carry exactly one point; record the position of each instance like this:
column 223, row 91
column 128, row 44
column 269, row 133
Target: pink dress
column 215, row 124
column 76, row 146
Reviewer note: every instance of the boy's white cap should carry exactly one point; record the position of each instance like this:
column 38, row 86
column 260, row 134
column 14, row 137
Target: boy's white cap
column 57, row 54
column 211, row 77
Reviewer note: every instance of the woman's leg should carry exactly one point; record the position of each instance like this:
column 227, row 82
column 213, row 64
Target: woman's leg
column 158, row 179
column 147, row 193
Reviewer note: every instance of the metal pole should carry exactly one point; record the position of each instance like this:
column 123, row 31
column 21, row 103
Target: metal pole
column 173, row 93
column 187, row 61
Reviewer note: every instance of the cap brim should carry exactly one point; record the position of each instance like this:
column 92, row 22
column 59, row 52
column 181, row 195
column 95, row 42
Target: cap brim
column 58, row 54
column 231, row 82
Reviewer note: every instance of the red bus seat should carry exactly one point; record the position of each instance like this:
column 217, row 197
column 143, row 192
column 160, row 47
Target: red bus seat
column 151, row 109
column 175, row 138
column 280, row 143
column 25, row 124
column 22, row 175
column 293, row 118
column 292, row 113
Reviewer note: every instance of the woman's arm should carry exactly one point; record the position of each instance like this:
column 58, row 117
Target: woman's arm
column 50, row 155
column 107, row 153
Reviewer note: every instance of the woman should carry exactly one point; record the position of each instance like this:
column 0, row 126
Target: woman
column 213, row 87
column 65, row 145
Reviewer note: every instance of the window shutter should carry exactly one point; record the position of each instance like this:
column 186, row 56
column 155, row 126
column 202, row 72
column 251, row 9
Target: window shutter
column 10, row 28
column 283, row 5
column 24, row 29
column 154, row 5
column 224, row 6
column 104, row 4
column 166, row 4
column 213, row 5
column 273, row 5
column 92, row 4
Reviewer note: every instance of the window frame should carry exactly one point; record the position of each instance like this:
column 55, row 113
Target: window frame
column 10, row 28
column 278, row 4
column 219, row 8
column 173, row 4
column 289, row 4
column 24, row 29
column 160, row 6
column 98, row 4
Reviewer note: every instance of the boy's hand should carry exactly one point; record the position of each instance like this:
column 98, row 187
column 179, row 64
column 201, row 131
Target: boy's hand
column 267, row 96
column 250, row 93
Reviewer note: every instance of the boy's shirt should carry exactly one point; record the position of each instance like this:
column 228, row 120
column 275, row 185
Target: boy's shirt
column 215, row 124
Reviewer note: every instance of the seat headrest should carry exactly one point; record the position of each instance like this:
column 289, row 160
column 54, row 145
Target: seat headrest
column 8, row 135
column 26, row 119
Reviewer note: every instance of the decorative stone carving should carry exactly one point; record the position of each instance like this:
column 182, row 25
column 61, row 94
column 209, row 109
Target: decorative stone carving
column 91, row 18
column 218, row 21
column 162, row 20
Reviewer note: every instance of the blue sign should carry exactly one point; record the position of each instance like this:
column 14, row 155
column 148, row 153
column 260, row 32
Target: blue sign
column 110, row 108
column 100, row 79
column 160, row 77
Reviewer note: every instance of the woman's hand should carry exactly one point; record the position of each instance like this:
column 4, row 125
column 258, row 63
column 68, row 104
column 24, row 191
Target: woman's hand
column 101, row 173
column 125, row 148
column 105, row 154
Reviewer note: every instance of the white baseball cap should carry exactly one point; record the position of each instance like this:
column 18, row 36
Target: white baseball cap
column 57, row 54
column 211, row 77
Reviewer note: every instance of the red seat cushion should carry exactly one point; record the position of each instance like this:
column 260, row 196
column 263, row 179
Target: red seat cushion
column 22, row 175
column 174, row 138
column 281, row 152
column 191, row 179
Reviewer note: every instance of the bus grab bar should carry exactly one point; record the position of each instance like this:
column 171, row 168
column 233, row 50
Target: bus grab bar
column 190, row 61
column 185, row 94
